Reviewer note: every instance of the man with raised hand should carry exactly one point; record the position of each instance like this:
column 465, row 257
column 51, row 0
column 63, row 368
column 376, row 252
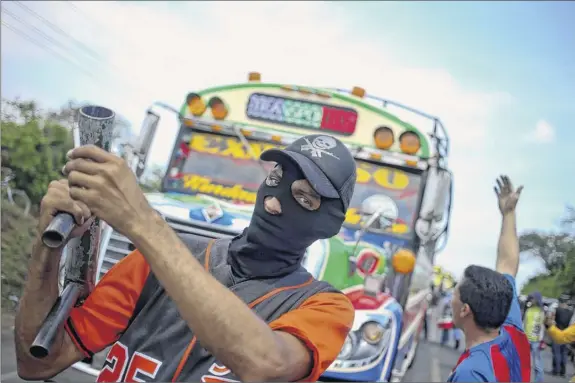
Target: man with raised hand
column 486, row 308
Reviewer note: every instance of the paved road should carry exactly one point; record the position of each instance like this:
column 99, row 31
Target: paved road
column 433, row 363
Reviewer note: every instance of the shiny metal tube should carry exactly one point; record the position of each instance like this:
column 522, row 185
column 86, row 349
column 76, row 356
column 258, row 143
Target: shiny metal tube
column 95, row 127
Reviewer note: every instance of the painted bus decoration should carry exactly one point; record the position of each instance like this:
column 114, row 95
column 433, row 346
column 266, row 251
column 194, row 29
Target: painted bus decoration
column 397, row 221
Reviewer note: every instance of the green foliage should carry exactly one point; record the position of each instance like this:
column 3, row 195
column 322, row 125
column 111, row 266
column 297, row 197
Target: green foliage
column 18, row 234
column 34, row 148
column 557, row 251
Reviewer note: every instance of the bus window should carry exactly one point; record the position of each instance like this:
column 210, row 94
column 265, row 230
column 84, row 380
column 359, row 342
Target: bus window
column 218, row 166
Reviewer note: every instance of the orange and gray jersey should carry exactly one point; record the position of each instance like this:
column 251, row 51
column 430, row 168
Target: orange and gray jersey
column 151, row 342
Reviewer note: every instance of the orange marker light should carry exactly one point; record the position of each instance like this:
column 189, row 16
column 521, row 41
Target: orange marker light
column 383, row 137
column 196, row 104
column 219, row 109
column 403, row 261
column 375, row 156
column 254, row 76
column 357, row 91
column 409, row 142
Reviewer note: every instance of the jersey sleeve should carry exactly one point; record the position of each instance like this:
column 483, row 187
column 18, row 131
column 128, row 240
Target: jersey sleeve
column 514, row 316
column 108, row 309
column 562, row 336
column 322, row 323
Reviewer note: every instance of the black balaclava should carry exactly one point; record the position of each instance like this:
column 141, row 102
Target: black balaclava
column 274, row 245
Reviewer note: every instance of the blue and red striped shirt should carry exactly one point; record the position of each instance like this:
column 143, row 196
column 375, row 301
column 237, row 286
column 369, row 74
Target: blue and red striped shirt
column 506, row 358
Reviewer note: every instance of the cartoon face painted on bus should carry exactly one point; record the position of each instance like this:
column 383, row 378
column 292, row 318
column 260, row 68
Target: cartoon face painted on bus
column 391, row 193
column 380, row 210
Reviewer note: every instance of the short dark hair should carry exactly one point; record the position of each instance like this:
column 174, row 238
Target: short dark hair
column 489, row 295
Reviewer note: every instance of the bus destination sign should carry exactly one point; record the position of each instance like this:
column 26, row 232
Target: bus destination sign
column 302, row 113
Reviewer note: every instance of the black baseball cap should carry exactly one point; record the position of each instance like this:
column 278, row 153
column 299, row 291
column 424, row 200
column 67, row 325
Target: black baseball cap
column 326, row 163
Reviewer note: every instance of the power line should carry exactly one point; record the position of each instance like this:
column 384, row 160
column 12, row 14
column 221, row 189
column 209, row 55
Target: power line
column 39, row 31
column 59, row 30
column 104, row 65
column 167, row 59
column 112, row 75
column 27, row 37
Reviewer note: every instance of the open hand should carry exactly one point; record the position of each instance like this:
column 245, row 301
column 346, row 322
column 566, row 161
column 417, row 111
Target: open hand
column 506, row 194
column 108, row 187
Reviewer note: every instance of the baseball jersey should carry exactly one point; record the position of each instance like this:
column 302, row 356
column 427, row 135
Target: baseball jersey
column 151, row 342
column 506, row 358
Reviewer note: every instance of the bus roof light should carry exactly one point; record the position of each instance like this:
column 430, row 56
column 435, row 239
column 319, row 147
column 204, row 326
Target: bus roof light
column 375, row 156
column 245, row 132
column 277, row 138
column 359, row 92
column 383, row 138
column 403, row 261
column 409, row 142
column 254, row 77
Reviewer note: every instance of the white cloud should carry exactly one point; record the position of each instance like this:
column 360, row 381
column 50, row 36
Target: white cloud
column 162, row 50
column 544, row 132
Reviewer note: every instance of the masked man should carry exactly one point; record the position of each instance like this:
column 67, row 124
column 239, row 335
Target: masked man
column 185, row 308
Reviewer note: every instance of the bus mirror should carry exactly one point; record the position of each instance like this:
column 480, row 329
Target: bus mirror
column 145, row 140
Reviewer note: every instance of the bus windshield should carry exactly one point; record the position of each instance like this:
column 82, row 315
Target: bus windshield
column 391, row 192
column 219, row 166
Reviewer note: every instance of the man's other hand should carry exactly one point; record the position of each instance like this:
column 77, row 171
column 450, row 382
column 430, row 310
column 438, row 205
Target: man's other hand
column 108, row 187
column 507, row 196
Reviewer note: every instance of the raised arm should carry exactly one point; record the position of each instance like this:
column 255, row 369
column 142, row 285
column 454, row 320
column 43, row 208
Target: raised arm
column 508, row 246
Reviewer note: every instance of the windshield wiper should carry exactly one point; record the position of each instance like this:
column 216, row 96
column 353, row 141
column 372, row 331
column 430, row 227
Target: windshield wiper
column 249, row 149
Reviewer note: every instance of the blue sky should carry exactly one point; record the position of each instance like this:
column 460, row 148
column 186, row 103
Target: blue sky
column 501, row 75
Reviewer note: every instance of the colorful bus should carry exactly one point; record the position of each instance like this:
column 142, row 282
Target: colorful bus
column 397, row 221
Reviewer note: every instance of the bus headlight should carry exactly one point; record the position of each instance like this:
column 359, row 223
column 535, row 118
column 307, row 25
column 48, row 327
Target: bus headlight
column 372, row 332
column 347, row 348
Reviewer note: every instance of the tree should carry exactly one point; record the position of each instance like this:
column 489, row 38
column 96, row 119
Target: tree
column 34, row 149
column 550, row 248
column 557, row 251
column 35, row 143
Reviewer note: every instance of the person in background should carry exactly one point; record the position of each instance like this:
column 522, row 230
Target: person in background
column 486, row 308
column 563, row 316
column 560, row 337
column 445, row 322
column 533, row 322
